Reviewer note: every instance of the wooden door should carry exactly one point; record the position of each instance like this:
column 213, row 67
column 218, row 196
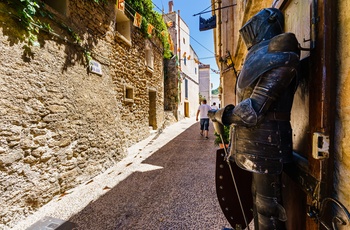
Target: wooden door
column 309, row 179
column 187, row 109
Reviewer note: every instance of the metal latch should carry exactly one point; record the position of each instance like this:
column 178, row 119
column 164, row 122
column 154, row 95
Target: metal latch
column 320, row 146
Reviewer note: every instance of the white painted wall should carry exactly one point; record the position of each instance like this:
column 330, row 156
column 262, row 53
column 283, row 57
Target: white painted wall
column 189, row 70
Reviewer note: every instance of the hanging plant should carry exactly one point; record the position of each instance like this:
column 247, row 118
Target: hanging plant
column 26, row 10
column 145, row 8
column 225, row 137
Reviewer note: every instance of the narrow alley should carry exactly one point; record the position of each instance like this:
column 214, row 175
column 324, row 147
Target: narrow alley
column 172, row 188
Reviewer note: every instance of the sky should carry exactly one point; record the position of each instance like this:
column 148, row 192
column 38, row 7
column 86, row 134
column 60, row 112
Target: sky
column 201, row 41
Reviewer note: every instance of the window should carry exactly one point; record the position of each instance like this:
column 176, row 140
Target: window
column 122, row 27
column 59, row 6
column 186, row 89
column 149, row 56
column 129, row 94
column 184, row 41
column 195, row 70
column 149, row 59
column 185, row 61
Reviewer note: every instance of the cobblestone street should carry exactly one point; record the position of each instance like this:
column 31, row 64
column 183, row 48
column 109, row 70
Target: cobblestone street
column 172, row 188
column 177, row 192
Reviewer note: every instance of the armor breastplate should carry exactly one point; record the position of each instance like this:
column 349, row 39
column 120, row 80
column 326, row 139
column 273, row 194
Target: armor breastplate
column 259, row 61
column 265, row 147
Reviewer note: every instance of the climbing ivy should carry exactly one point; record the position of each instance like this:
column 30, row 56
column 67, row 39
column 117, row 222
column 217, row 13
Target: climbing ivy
column 145, row 8
column 26, row 10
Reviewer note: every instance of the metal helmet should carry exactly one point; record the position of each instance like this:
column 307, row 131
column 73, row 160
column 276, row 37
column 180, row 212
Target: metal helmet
column 266, row 24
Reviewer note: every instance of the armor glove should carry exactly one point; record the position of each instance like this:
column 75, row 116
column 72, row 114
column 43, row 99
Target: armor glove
column 219, row 128
column 211, row 114
column 222, row 115
column 214, row 116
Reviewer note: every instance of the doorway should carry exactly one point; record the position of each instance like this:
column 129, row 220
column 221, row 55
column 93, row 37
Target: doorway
column 187, row 109
column 152, row 110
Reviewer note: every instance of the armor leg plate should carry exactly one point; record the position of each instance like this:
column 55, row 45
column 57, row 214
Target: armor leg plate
column 271, row 215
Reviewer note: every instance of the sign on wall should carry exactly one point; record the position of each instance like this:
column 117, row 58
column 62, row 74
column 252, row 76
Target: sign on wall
column 95, row 67
column 207, row 24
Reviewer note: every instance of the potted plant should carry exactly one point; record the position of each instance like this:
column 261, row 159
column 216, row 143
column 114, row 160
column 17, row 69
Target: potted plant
column 225, row 137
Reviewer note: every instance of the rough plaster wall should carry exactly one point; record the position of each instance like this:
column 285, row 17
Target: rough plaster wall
column 343, row 107
column 59, row 124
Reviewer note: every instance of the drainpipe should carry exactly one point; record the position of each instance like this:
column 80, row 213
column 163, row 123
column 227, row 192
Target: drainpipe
column 179, row 44
column 178, row 36
column 220, row 47
column 219, row 29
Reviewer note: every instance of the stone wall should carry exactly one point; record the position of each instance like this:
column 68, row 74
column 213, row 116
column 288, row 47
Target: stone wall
column 171, row 86
column 61, row 125
column 342, row 144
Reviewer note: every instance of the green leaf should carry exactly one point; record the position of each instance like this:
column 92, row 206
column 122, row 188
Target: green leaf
column 31, row 10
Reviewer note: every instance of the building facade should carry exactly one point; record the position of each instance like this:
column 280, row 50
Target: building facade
column 320, row 110
column 90, row 86
column 204, row 82
column 215, row 99
column 182, row 71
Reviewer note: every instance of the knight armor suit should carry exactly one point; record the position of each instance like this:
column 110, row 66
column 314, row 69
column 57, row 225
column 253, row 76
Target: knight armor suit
column 261, row 133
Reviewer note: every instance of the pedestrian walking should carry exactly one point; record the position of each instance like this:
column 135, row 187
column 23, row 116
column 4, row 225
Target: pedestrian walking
column 204, row 119
column 214, row 106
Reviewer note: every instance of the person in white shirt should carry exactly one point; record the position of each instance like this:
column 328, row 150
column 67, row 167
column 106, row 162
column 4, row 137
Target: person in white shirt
column 204, row 119
column 214, row 106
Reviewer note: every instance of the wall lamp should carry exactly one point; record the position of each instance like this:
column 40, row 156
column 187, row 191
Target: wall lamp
column 227, row 60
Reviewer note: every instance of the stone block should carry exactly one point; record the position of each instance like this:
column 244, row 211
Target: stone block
column 37, row 153
column 10, row 158
column 41, row 140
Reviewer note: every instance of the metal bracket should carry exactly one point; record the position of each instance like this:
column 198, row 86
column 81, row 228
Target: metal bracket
column 326, row 211
column 340, row 215
column 313, row 24
column 320, row 146
column 299, row 173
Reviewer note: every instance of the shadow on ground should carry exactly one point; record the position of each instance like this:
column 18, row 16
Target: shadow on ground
column 174, row 189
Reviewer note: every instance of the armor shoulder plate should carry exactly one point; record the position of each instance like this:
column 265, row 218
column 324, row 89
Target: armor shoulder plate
column 281, row 50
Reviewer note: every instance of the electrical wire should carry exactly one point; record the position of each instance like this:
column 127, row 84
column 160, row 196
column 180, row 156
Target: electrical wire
column 186, row 32
column 207, row 7
column 215, row 71
column 207, row 57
